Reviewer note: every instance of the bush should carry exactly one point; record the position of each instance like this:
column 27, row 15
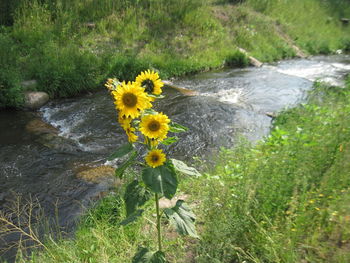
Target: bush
column 65, row 71
column 11, row 94
column 237, row 59
column 10, row 90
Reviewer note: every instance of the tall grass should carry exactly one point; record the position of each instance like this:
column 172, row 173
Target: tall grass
column 314, row 25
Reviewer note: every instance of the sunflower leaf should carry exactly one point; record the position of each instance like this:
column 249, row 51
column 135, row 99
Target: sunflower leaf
column 183, row 168
column 144, row 255
column 121, row 169
column 132, row 217
column 182, row 218
column 175, row 127
column 161, row 179
column 170, row 140
column 135, row 196
column 121, row 151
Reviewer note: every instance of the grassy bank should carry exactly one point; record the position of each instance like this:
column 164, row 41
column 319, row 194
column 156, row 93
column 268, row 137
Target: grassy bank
column 283, row 200
column 70, row 46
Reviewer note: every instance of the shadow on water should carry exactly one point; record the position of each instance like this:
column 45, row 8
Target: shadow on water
column 41, row 159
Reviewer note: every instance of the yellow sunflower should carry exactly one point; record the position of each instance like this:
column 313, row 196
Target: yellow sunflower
column 150, row 81
column 155, row 126
column 124, row 121
column 155, row 158
column 111, row 84
column 130, row 99
column 132, row 137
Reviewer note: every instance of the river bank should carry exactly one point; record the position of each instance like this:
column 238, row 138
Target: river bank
column 70, row 47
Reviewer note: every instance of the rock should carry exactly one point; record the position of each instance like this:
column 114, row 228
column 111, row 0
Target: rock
column 29, row 84
column 98, row 174
column 39, row 127
column 35, row 99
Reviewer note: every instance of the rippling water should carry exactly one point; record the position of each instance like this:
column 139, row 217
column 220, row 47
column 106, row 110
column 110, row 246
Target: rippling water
column 228, row 104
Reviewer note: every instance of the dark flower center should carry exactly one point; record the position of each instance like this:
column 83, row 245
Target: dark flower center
column 148, row 85
column 129, row 100
column 154, row 126
column 155, row 158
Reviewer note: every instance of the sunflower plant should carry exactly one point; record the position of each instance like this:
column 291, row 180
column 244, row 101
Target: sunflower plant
column 149, row 130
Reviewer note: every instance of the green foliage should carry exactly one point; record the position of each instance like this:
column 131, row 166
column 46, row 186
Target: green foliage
column 162, row 180
column 10, row 90
column 143, row 255
column 128, row 162
column 237, row 59
column 121, row 151
column 135, row 196
column 184, row 169
column 182, row 218
column 7, row 10
column 323, row 33
column 108, row 210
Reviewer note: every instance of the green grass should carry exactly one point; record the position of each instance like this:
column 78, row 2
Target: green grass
column 52, row 42
column 282, row 200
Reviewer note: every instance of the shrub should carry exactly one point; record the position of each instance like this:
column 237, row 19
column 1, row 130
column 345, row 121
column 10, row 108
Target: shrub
column 10, row 89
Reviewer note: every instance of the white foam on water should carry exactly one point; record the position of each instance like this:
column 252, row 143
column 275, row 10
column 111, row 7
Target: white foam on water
column 331, row 73
column 67, row 126
column 341, row 66
column 231, row 96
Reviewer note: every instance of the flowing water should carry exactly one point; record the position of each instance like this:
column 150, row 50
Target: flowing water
column 42, row 161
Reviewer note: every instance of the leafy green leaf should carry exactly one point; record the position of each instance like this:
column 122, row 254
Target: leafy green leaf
column 183, row 168
column 144, row 255
column 175, row 127
column 170, row 140
column 121, row 151
column 121, row 169
column 161, row 179
column 182, row 218
column 132, row 217
column 135, row 196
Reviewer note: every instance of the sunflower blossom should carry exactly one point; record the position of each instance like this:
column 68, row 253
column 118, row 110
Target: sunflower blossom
column 131, row 99
column 155, row 126
column 155, row 158
column 111, row 84
column 129, row 130
column 124, row 121
column 150, row 81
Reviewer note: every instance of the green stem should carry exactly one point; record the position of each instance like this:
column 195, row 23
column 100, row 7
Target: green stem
column 158, row 223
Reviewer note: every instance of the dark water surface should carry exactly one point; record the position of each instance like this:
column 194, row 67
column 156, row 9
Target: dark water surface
column 229, row 104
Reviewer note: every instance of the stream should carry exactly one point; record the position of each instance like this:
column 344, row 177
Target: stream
column 42, row 159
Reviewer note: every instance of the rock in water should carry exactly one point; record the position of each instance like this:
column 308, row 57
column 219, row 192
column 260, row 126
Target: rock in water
column 39, row 127
column 35, row 99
